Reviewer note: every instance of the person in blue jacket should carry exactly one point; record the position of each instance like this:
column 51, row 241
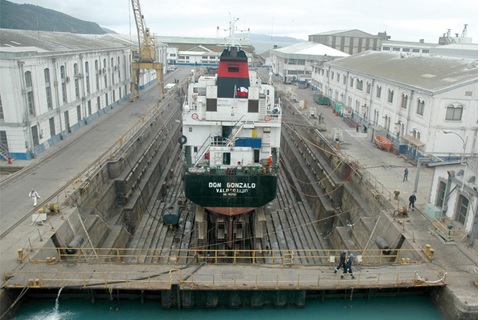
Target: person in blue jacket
column 341, row 261
column 348, row 268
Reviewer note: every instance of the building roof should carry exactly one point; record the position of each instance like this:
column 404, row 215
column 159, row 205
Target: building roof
column 346, row 33
column 198, row 40
column 427, row 73
column 408, row 44
column 311, row 48
column 16, row 41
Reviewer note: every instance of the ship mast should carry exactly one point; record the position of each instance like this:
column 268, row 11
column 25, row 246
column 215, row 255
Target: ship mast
column 232, row 41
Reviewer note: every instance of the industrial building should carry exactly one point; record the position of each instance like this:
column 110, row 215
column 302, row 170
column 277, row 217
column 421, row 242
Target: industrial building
column 54, row 83
column 349, row 41
column 295, row 62
column 411, row 100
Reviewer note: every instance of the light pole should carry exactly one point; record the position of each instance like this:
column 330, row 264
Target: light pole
column 462, row 156
column 462, row 140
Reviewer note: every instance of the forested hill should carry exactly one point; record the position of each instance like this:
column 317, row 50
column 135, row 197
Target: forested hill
column 31, row 17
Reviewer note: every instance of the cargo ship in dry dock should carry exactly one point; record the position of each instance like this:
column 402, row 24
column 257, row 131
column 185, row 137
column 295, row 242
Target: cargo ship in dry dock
column 231, row 139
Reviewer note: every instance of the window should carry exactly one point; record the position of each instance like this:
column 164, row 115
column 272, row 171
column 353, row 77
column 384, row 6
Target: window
column 390, row 95
column 226, row 158
column 2, row 116
column 104, row 62
column 48, row 89
column 96, row 66
column 30, row 93
column 52, row 126
column 345, row 79
column 454, row 112
column 35, row 135
column 359, row 85
column 352, row 82
column 461, row 209
column 76, row 81
column 404, row 101
column 64, row 80
column 28, row 79
column 378, row 91
column 368, row 87
column 79, row 114
column 420, row 109
column 30, row 102
column 338, row 77
column 86, row 75
column 252, row 105
column 211, row 105
column 440, row 194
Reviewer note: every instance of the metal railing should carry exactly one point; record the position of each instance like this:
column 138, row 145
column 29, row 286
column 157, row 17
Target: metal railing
column 373, row 257
column 290, row 279
column 447, row 230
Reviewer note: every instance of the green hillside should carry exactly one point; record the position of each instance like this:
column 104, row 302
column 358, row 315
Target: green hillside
column 31, row 17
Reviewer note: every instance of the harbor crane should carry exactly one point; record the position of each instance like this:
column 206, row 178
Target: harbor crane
column 146, row 57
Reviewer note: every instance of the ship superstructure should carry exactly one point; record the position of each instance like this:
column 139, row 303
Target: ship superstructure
column 231, row 139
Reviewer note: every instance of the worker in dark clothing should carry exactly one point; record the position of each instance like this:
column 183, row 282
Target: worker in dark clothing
column 406, row 172
column 348, row 268
column 341, row 261
column 412, row 200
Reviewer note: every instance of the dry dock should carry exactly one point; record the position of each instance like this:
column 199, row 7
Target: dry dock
column 326, row 201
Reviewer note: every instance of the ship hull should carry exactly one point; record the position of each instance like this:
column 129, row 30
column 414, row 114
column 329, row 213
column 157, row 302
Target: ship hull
column 241, row 193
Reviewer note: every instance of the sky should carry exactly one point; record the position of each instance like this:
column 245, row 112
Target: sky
column 409, row 20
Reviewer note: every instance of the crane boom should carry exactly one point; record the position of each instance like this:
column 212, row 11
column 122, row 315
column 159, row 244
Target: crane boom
column 146, row 58
column 145, row 39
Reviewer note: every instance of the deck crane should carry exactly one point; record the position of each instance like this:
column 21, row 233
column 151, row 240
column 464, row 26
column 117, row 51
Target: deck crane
column 146, row 58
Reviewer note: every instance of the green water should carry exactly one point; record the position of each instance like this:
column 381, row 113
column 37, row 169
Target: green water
column 392, row 308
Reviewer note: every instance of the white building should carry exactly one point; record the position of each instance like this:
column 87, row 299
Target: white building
column 411, row 100
column 295, row 62
column 407, row 48
column 51, row 84
column 198, row 51
column 455, row 195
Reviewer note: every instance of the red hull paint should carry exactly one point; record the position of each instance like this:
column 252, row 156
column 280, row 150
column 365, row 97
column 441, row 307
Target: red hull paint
column 230, row 211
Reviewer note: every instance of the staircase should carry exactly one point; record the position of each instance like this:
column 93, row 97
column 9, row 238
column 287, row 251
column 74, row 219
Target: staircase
column 204, row 147
column 236, row 129
column 4, row 151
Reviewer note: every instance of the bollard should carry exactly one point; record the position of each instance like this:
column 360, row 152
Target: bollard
column 20, row 254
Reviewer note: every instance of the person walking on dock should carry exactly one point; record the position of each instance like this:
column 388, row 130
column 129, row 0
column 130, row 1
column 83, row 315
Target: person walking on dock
column 341, row 261
column 34, row 195
column 348, row 268
column 412, row 200
column 406, row 172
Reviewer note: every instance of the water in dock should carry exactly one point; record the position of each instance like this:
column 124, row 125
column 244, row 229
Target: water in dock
column 395, row 308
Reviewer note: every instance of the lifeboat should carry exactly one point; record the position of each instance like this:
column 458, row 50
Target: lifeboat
column 383, row 143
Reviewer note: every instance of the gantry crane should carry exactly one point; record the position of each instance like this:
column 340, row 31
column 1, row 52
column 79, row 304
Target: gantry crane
column 146, row 58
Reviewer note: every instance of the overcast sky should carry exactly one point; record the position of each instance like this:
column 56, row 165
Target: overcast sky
column 407, row 20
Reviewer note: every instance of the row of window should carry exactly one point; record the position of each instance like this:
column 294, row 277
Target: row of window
column 64, row 80
column 398, row 49
column 453, row 112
